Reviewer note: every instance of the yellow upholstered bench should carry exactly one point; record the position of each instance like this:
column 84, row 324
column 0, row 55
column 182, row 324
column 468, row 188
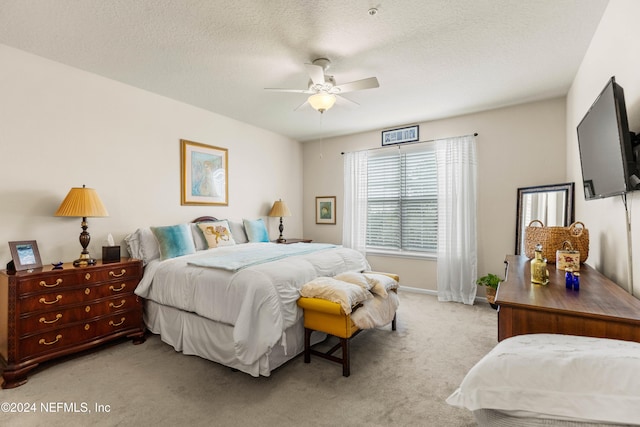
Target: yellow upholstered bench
column 329, row 317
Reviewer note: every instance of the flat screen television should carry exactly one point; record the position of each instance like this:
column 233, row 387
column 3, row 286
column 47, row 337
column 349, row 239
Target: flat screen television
column 606, row 147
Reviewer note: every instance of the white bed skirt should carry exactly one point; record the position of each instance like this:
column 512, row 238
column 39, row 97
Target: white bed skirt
column 494, row 418
column 195, row 335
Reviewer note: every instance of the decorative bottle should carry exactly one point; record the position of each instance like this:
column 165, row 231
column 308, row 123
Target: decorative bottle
column 539, row 272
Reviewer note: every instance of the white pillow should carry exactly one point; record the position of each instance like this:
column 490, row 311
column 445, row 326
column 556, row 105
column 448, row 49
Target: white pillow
column 354, row 278
column 583, row 378
column 346, row 294
column 142, row 244
column 216, row 233
column 198, row 237
column 381, row 284
column 237, row 231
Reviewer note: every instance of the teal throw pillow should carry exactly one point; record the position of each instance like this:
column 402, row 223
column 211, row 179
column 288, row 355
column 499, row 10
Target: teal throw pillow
column 174, row 240
column 256, row 230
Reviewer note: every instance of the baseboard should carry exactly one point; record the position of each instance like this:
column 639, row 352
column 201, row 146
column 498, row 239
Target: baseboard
column 435, row 293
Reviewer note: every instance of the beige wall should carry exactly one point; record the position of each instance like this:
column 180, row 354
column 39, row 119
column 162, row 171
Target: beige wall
column 518, row 146
column 613, row 52
column 61, row 127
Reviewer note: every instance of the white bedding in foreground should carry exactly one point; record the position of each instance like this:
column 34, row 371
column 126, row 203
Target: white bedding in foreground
column 259, row 301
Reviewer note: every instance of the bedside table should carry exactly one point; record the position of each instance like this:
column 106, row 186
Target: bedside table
column 50, row 313
column 289, row 241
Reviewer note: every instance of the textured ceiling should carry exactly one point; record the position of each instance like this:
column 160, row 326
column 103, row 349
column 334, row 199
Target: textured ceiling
column 433, row 58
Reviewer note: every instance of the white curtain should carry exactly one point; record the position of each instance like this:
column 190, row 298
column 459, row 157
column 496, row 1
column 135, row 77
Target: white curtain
column 354, row 223
column 457, row 242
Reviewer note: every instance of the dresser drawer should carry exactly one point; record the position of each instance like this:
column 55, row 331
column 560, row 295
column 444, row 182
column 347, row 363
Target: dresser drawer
column 119, row 322
column 117, row 272
column 64, row 316
column 57, row 280
column 65, row 297
column 57, row 339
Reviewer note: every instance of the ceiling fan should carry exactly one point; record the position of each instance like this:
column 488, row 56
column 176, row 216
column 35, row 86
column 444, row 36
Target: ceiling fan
column 323, row 90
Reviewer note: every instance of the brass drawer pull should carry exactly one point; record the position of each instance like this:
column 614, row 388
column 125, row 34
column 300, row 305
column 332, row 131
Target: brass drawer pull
column 44, row 301
column 122, row 273
column 112, row 305
column 116, row 324
column 118, row 289
column 43, row 342
column 58, row 317
column 43, row 283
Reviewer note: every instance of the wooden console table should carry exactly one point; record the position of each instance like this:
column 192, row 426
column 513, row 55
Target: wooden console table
column 599, row 309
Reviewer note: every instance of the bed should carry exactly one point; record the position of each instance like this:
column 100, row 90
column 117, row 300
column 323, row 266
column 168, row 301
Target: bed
column 554, row 380
column 220, row 290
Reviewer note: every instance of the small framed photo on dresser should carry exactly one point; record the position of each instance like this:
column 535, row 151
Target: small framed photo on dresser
column 25, row 255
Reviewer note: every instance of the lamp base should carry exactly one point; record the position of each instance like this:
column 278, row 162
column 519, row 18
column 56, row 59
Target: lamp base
column 281, row 240
column 84, row 260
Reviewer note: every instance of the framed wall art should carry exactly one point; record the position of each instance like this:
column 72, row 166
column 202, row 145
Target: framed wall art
column 204, row 174
column 400, row 135
column 25, row 254
column 326, row 210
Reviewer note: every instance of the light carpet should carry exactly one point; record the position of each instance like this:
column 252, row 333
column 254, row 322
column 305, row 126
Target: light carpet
column 398, row 378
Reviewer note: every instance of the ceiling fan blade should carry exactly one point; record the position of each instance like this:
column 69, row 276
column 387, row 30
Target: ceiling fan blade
column 369, row 83
column 301, row 106
column 289, row 90
column 342, row 101
column 316, row 73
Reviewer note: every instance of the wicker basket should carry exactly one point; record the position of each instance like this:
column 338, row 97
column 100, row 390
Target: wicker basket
column 553, row 238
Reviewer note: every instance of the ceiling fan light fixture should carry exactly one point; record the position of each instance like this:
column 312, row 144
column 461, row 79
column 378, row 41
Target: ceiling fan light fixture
column 322, row 101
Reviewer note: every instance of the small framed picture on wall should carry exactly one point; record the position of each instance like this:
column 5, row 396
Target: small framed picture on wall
column 326, row 210
column 401, row 135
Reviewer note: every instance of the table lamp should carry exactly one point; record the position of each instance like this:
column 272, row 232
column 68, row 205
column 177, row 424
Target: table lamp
column 82, row 202
column 280, row 209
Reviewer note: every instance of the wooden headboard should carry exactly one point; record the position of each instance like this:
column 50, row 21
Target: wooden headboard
column 205, row 219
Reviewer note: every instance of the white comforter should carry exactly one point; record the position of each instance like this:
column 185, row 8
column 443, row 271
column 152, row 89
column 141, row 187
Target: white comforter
column 259, row 301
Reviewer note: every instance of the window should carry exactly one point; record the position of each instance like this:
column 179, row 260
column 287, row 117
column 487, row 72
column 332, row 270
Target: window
column 402, row 201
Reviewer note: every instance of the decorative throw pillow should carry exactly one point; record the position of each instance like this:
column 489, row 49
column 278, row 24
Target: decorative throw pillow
column 217, row 233
column 174, row 240
column 256, row 230
column 346, row 294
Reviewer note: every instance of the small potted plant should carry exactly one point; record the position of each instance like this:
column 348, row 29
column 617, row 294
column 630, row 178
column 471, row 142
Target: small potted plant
column 490, row 282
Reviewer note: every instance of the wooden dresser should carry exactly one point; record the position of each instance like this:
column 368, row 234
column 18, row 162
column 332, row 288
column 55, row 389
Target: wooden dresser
column 599, row 309
column 54, row 312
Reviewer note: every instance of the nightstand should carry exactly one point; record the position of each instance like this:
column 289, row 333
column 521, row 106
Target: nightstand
column 50, row 313
column 289, row 241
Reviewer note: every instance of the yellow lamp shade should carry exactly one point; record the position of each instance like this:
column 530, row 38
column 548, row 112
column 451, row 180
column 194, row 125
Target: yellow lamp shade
column 82, row 202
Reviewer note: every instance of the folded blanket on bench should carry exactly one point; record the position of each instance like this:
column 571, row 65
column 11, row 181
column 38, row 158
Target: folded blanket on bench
column 376, row 312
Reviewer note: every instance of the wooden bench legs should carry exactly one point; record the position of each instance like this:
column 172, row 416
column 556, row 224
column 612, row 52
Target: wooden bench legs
column 345, row 360
column 343, row 344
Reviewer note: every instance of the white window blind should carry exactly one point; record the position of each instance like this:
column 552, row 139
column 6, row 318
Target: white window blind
column 402, row 196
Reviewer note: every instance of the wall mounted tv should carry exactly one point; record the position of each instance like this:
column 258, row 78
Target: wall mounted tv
column 606, row 146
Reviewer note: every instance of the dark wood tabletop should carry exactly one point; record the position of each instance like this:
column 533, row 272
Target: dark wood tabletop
column 599, row 308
